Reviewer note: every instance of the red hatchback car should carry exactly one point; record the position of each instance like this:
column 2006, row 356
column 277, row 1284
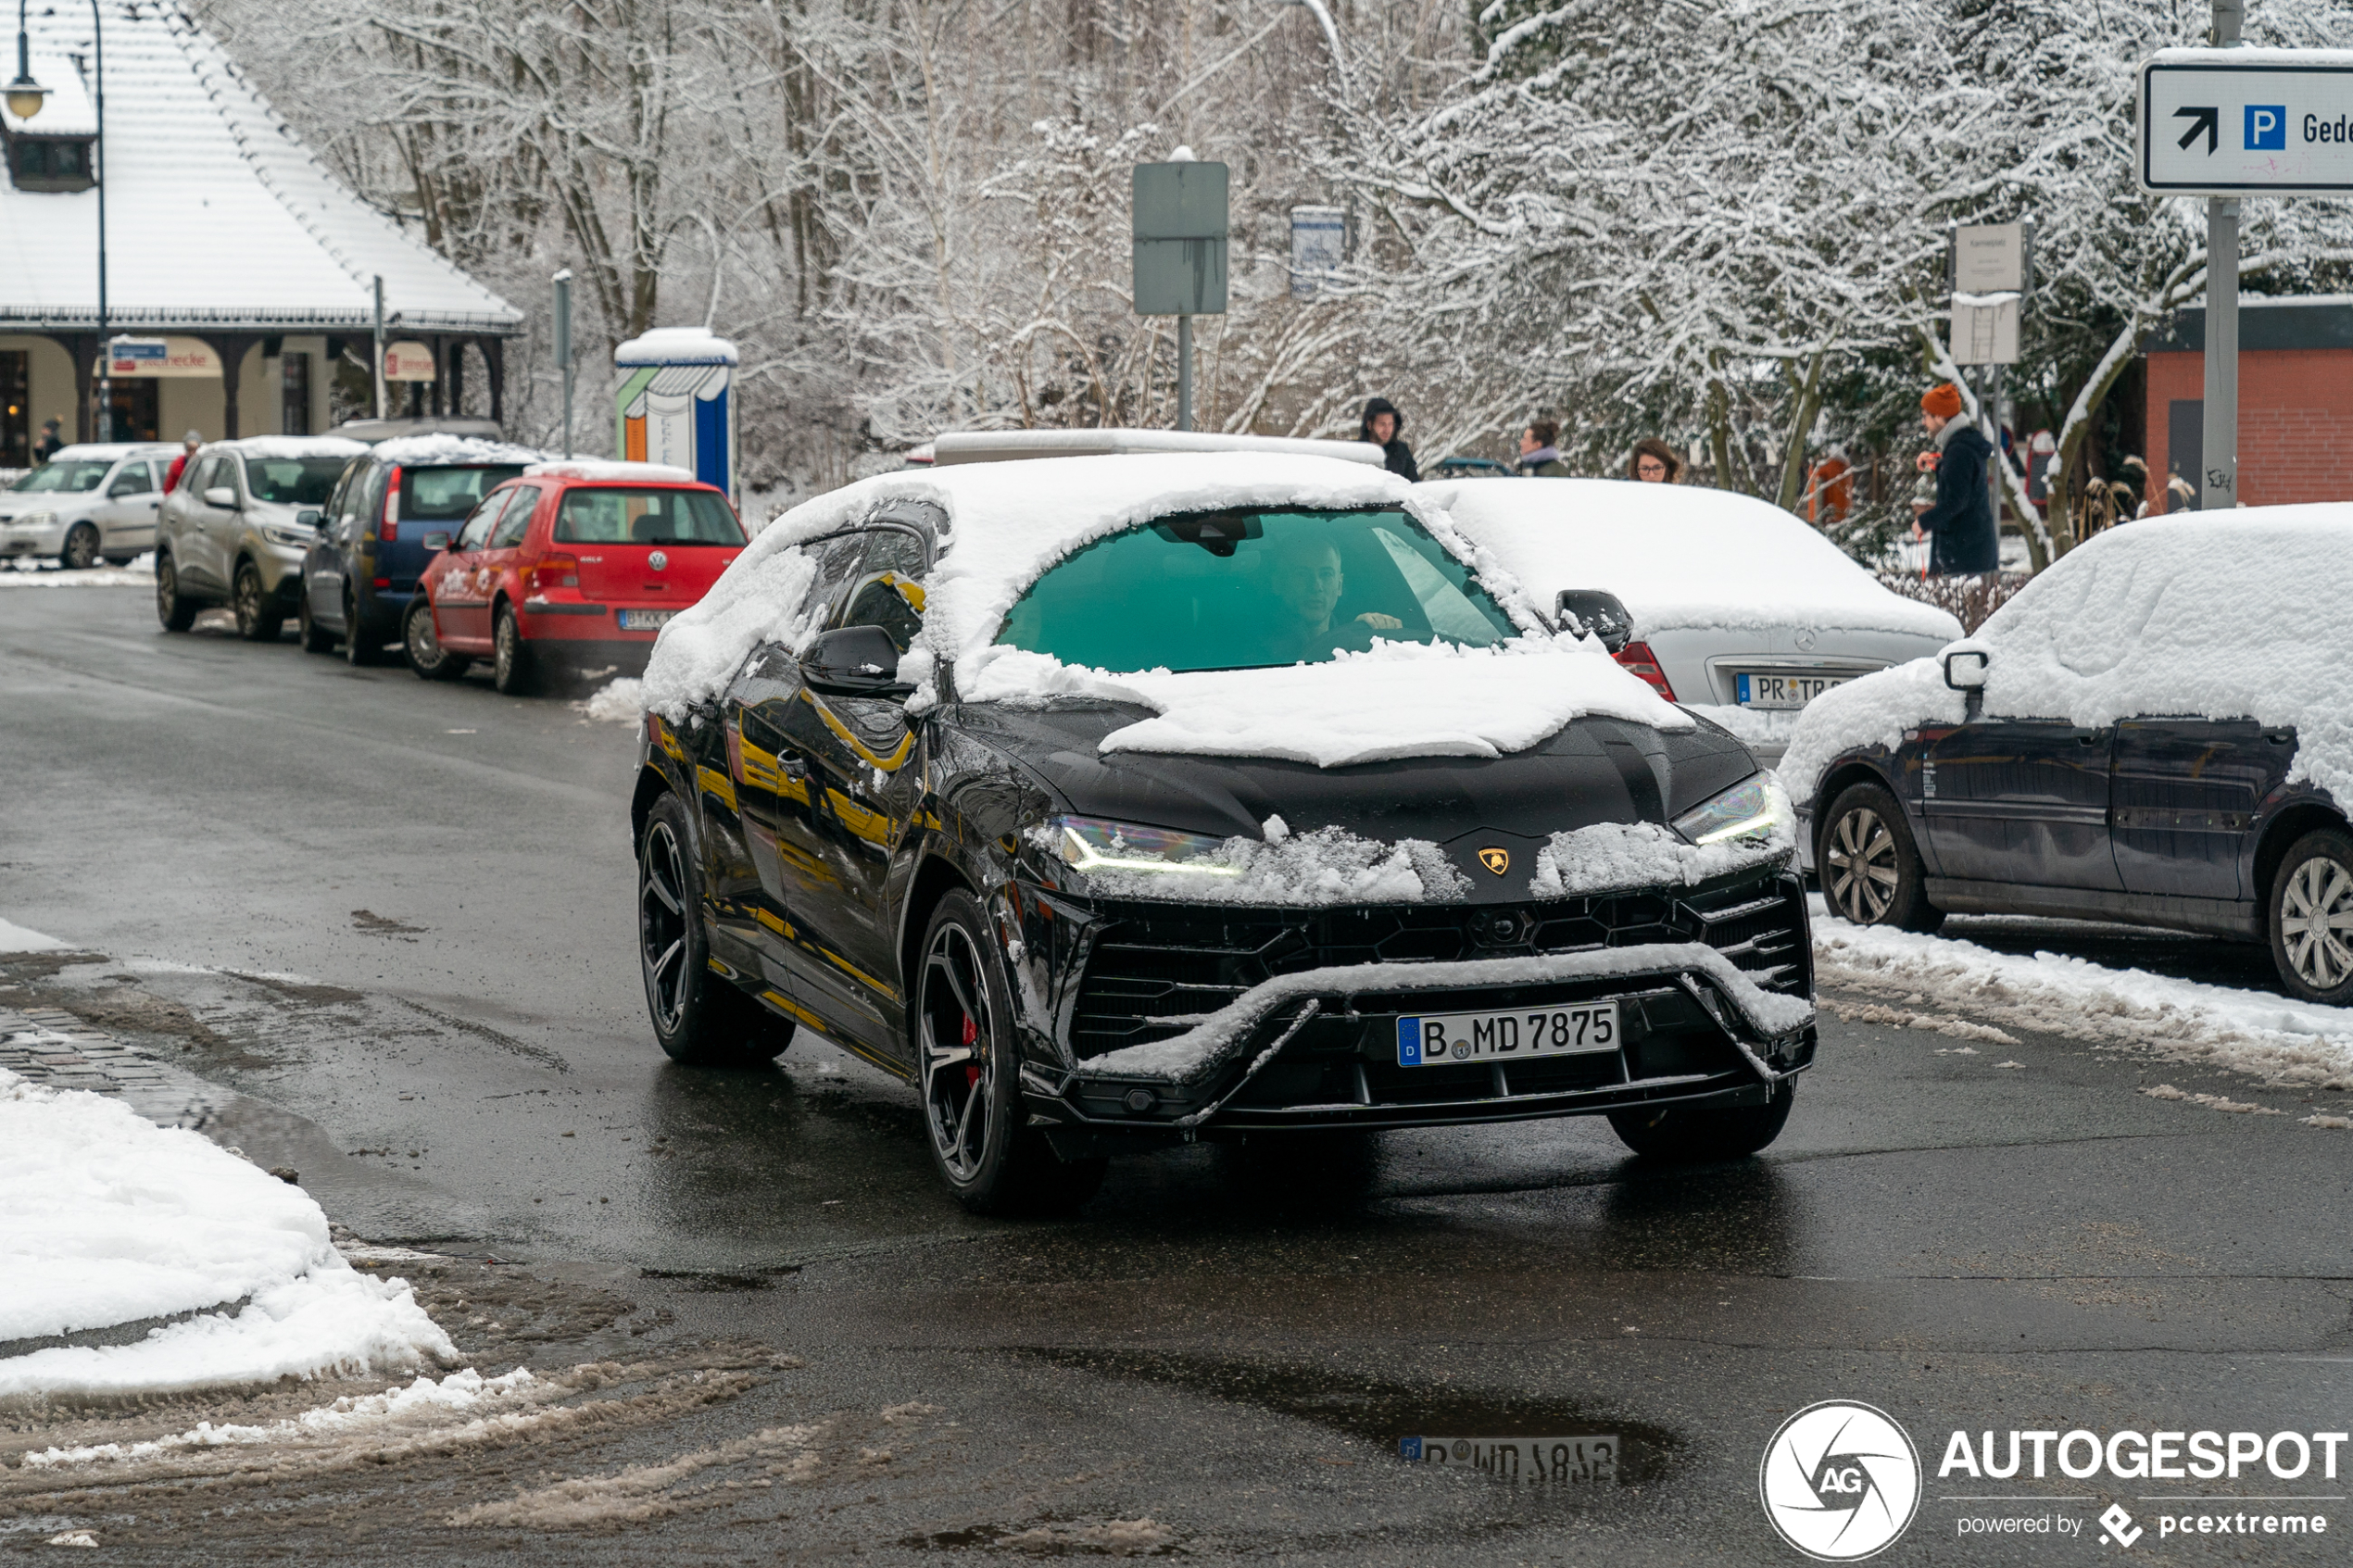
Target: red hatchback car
column 575, row 565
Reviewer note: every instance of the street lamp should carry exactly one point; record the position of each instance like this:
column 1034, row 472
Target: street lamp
column 24, row 97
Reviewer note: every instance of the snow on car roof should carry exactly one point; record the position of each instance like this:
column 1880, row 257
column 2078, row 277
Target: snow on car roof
column 1679, row 555
column 292, row 446
column 2226, row 615
column 610, row 470
column 1008, row 521
column 441, row 449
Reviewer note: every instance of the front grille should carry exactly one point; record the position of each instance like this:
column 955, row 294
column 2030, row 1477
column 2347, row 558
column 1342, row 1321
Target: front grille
column 1154, row 971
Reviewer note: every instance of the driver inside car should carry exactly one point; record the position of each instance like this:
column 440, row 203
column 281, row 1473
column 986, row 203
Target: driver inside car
column 1308, row 581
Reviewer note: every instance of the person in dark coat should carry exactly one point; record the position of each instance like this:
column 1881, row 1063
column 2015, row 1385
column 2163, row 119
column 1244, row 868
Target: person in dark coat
column 1540, row 451
column 1961, row 518
column 1383, row 426
column 50, row 443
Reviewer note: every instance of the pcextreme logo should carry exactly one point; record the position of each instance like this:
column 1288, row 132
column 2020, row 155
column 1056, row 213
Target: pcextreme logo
column 1839, row 1481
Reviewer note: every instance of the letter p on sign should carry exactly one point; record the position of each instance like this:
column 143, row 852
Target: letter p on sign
column 2266, row 127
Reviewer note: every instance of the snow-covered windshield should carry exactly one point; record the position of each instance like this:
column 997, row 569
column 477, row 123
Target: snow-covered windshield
column 69, row 478
column 1252, row 587
column 293, row 482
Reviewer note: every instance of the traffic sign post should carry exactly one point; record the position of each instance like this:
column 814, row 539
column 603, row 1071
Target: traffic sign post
column 2224, row 120
column 1990, row 269
column 1180, row 253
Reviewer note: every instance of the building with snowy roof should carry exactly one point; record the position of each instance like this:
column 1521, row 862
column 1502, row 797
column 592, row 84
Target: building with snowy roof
column 244, row 266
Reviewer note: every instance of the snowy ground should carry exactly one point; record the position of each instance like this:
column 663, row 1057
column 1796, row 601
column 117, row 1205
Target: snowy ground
column 1974, row 993
column 28, row 572
column 619, row 701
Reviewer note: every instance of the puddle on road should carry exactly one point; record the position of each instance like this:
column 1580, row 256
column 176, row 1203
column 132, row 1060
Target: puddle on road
column 1524, row 1441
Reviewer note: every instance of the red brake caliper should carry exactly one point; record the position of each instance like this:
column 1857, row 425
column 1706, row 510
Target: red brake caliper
column 971, row 1069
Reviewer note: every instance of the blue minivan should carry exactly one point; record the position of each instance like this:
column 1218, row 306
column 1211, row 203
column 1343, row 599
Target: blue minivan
column 361, row 572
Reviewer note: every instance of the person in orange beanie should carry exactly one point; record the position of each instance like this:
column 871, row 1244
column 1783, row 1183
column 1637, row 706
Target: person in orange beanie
column 1961, row 518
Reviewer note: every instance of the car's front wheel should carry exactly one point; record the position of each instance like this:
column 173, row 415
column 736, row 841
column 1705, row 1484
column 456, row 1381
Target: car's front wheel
column 698, row 1017
column 81, row 548
column 510, row 667
column 2312, row 917
column 422, row 646
column 1689, row 1136
column 981, row 1142
column 1871, row 869
column 315, row 637
column 176, row 611
column 259, row 618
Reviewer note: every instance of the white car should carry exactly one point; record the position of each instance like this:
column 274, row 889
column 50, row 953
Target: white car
column 238, row 526
column 1742, row 613
column 91, row 502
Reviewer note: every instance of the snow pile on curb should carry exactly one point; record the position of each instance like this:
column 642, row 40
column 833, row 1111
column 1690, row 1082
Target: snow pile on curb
column 140, row 573
column 618, row 701
column 460, row 1392
column 1216, row 1036
column 2274, row 1038
column 107, row 1219
column 1609, row 856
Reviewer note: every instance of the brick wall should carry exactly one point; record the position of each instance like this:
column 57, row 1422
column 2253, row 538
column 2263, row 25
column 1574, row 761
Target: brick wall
column 2296, row 421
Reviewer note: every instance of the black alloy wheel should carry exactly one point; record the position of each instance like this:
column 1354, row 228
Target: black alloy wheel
column 360, row 647
column 315, row 637
column 259, row 618
column 1870, row 869
column 422, row 646
column 2311, row 917
column 82, row 549
column 970, row 1078
column 1671, row 1134
column 700, row 1018
column 510, row 665
column 176, row 613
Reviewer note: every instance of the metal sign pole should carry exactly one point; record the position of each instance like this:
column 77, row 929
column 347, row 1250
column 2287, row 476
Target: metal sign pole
column 563, row 347
column 2217, row 483
column 380, row 347
column 1183, row 372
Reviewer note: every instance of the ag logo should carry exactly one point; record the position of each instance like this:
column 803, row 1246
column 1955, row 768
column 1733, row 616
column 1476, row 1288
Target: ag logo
column 1839, row 1481
column 1496, row 860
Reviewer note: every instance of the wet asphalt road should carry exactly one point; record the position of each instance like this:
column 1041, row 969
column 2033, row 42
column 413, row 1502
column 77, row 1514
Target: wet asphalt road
column 392, row 921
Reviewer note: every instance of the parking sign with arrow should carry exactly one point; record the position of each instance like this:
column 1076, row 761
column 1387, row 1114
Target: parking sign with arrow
column 2223, row 121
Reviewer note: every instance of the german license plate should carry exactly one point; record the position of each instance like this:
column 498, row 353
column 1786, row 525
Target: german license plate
column 1588, row 1458
column 648, row 619
column 1433, row 1039
column 1785, row 691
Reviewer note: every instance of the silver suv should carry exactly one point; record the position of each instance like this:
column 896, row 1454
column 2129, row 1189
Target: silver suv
column 235, row 529
column 91, row 501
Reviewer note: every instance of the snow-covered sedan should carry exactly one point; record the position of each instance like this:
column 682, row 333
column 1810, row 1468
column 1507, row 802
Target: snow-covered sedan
column 1741, row 612
column 2152, row 731
column 1132, row 799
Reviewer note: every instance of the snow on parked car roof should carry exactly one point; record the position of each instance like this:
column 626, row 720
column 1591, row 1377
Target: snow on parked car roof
column 441, row 449
column 603, row 471
column 1679, row 555
column 2227, row 615
column 1008, row 523
column 291, row 446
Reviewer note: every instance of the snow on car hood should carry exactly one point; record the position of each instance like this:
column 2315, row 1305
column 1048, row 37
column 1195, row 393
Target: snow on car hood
column 1679, row 557
column 1008, row 523
column 2240, row 615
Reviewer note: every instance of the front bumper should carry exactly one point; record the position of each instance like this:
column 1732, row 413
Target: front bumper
column 1317, row 1049
column 37, row 539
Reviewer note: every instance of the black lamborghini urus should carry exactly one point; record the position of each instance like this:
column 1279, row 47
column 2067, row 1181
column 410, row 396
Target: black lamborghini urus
column 1051, row 941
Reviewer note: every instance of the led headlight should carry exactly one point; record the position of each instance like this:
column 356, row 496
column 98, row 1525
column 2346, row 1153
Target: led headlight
column 1746, row 810
column 1090, row 844
column 293, row 538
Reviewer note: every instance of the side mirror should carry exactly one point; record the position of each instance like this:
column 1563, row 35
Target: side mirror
column 307, row 517
column 220, row 496
column 1588, row 612
column 435, row 543
column 1965, row 668
column 854, row 662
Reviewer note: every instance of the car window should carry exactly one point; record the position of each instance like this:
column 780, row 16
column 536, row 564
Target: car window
column 514, row 520
column 440, row 494
column 888, row 591
column 207, row 475
column 294, row 482
column 1248, row 588
column 483, row 516
column 134, row 479
column 612, row 515
column 75, row 476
